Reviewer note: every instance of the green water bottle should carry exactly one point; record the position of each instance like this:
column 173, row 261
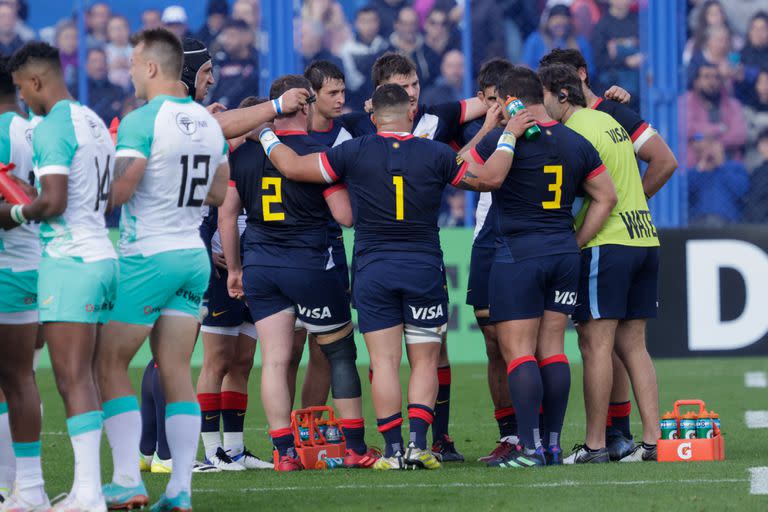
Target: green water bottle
column 514, row 106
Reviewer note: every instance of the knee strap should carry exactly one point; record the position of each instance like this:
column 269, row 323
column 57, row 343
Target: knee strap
column 342, row 354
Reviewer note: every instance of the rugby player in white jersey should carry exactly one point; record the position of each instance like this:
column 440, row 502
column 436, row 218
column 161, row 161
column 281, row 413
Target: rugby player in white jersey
column 171, row 159
column 19, row 259
column 73, row 157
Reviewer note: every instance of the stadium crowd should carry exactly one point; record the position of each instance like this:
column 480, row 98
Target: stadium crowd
column 723, row 116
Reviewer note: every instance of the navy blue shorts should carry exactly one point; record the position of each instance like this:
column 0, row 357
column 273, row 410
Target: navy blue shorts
column 618, row 282
column 318, row 296
column 527, row 288
column 391, row 292
column 342, row 271
column 223, row 310
column 479, row 276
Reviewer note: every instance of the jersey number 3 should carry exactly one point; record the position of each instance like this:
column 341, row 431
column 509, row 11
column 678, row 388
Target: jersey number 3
column 276, row 184
column 556, row 187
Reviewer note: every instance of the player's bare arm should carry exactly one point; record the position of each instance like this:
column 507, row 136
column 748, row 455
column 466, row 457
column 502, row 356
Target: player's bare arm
column 240, row 121
column 491, row 174
column 473, row 109
column 128, row 173
column 294, row 167
column 218, row 190
column 230, row 240
column 661, row 164
column 337, row 198
column 51, row 201
column 603, row 198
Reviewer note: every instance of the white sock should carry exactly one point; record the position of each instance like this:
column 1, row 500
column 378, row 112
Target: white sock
column 233, row 443
column 211, row 443
column 182, row 427
column 85, row 434
column 7, row 459
column 122, row 423
column 29, row 473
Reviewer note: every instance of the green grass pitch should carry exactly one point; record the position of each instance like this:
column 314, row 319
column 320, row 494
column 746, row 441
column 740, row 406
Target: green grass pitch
column 712, row 486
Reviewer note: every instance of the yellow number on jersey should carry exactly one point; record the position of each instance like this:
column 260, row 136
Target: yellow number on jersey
column 556, row 187
column 268, row 200
column 399, row 207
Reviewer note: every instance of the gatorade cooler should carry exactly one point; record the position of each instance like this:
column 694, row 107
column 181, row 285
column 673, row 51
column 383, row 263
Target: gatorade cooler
column 688, row 450
column 309, row 427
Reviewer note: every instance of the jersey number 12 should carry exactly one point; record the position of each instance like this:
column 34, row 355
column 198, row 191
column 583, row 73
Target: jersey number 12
column 197, row 161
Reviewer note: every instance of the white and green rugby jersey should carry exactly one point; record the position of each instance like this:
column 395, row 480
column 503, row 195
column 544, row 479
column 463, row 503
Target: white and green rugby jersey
column 74, row 141
column 19, row 247
column 184, row 146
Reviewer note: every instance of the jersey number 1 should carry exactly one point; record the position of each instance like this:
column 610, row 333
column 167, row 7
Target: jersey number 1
column 399, row 201
column 556, row 187
column 197, row 161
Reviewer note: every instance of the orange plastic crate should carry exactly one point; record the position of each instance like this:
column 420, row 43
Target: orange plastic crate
column 315, row 448
column 689, row 450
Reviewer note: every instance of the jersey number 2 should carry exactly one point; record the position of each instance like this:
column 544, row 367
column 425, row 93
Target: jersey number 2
column 197, row 161
column 399, row 201
column 267, row 200
column 556, row 187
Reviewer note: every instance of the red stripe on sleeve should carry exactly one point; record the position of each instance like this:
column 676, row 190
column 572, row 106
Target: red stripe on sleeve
column 327, row 166
column 333, row 189
column 597, row 172
column 463, row 114
column 639, row 131
column 460, row 174
column 478, row 159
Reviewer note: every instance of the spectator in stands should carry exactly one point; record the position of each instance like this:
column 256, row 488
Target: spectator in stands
column 151, row 18
column 452, row 209
column 449, row 86
column 521, row 19
column 439, row 33
column 489, row 39
column 119, row 51
column 407, row 40
column 586, row 14
column 556, row 31
column 104, row 97
column 712, row 112
column 756, row 207
column 26, row 33
column 216, row 16
column 389, row 11
column 66, row 41
column 616, row 47
column 756, row 111
column 717, row 52
column 96, row 21
column 10, row 41
column 358, row 55
column 311, row 44
column 175, row 19
column 716, row 185
column 235, row 65
column 754, row 55
column 248, row 11
column 710, row 14
column 330, row 15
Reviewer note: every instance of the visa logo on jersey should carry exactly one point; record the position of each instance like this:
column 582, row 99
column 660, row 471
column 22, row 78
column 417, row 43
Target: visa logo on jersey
column 314, row 313
column 565, row 298
column 427, row 312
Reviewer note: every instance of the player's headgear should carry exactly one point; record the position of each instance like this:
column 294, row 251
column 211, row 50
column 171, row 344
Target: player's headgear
column 195, row 55
column 557, row 78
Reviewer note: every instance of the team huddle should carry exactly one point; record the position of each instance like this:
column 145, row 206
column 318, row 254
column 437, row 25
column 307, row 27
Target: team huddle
column 231, row 219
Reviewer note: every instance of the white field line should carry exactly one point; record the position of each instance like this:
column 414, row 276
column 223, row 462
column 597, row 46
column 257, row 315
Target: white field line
column 756, row 419
column 489, row 485
column 756, row 380
column 759, row 480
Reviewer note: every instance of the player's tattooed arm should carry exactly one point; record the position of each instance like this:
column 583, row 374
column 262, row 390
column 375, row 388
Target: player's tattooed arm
column 603, row 198
column 486, row 176
column 127, row 175
column 50, row 202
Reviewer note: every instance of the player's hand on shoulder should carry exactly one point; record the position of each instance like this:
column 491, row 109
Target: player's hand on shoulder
column 520, row 122
column 235, row 285
column 215, row 108
column 618, row 94
column 293, row 99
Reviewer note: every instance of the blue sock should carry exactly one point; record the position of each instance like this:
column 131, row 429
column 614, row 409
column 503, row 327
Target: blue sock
column 556, row 380
column 507, row 421
column 619, row 413
column 419, row 417
column 525, row 388
column 393, row 435
column 354, row 433
column 163, row 451
column 282, row 439
column 442, row 404
column 148, row 418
